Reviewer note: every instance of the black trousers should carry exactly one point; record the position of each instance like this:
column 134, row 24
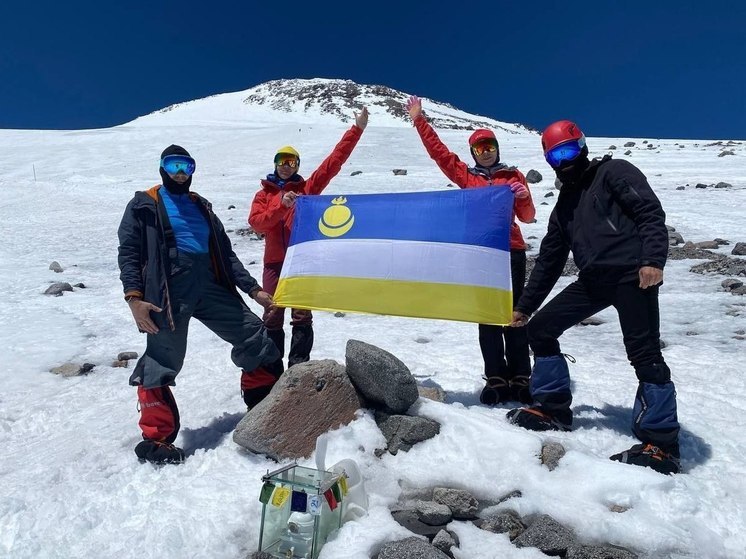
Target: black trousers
column 638, row 317
column 504, row 349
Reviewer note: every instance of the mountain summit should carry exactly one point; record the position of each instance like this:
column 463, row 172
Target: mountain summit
column 304, row 100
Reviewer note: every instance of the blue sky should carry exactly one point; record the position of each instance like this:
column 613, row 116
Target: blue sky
column 647, row 69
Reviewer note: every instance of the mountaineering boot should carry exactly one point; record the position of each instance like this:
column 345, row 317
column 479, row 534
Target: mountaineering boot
column 495, row 391
column 159, row 452
column 301, row 343
column 534, row 419
column 519, row 390
column 650, row 456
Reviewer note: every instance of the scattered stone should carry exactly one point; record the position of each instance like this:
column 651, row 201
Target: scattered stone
column 382, row 379
column 55, row 267
column 250, row 233
column 463, row 505
column 356, row 173
column 231, row 207
column 544, row 204
column 546, row 534
column 57, row 289
column 399, row 171
column 681, row 188
column 80, row 285
column 692, row 333
column 549, row 194
column 434, row 393
column 410, row 548
column 675, row 238
column 723, row 185
column 339, row 314
column 551, row 454
column 450, row 185
column 73, row 369
column 690, row 252
column 644, row 141
column 444, row 541
column 739, row 290
column 739, row 249
column 409, row 519
column 723, row 265
column 433, row 513
column 700, row 185
column 533, row 177
column 402, row 432
column 119, row 364
column 708, row 245
column 421, row 340
column 127, row 355
column 629, row 144
column 618, row 508
column 721, row 242
column 598, row 552
column 731, row 284
column 628, row 152
column 726, row 152
column 507, row 522
column 612, row 146
column 591, row 321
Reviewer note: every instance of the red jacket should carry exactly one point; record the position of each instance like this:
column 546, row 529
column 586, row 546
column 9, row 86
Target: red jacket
column 465, row 177
column 270, row 217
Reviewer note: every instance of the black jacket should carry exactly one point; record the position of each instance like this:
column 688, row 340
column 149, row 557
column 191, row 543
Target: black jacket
column 611, row 220
column 147, row 246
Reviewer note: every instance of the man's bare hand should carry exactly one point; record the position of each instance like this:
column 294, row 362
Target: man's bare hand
column 141, row 313
column 414, row 107
column 264, row 299
column 519, row 319
column 288, row 199
column 361, row 119
column 650, row 276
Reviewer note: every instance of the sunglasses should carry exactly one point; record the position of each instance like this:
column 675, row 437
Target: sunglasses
column 564, row 152
column 484, row 147
column 174, row 164
column 286, row 159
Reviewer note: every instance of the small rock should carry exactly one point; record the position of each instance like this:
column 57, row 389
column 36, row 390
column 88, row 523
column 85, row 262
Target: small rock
column 231, row 207
column 72, row 369
column 533, row 177
column 618, row 508
column 119, row 364
column 681, row 188
column 399, row 171
column 434, row 393
column 591, row 321
column 55, row 267
column 127, row 355
column 721, row 242
column 356, row 173
column 723, row 185
column 628, row 152
column 726, row 152
column 422, row 340
column 80, row 285
column 551, row 454
column 708, row 245
column 700, row 185
column 57, row 289
column 612, row 146
column 739, row 249
column 629, row 144
column 444, row 541
column 549, row 194
column 433, row 513
column 339, row 314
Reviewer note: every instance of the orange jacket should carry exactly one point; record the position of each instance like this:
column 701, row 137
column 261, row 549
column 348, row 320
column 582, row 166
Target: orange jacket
column 270, row 217
column 466, row 177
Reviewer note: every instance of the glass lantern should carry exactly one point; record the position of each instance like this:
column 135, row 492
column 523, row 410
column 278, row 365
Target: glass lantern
column 300, row 508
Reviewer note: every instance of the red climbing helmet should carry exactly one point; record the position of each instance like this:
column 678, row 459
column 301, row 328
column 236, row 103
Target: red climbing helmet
column 562, row 141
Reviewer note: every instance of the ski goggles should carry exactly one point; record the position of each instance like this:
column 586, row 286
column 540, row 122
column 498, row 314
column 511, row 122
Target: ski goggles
column 174, row 164
column 485, row 146
column 564, row 152
column 286, row 159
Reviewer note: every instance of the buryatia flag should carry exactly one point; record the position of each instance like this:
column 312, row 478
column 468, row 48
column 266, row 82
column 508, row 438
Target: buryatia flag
column 442, row 254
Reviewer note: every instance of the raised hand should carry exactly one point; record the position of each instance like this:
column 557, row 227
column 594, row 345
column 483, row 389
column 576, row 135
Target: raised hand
column 414, row 107
column 361, row 120
column 519, row 190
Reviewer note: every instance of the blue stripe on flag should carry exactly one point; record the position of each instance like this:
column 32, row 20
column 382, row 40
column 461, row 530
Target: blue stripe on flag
column 477, row 216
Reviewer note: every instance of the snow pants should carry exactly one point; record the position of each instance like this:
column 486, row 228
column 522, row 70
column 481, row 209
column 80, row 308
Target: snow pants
column 654, row 413
column 504, row 349
column 301, row 321
column 194, row 292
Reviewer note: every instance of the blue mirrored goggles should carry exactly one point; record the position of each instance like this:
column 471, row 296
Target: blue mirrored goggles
column 173, row 164
column 564, row 152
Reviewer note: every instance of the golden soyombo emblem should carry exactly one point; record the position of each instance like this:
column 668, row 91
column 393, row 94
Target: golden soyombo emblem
column 337, row 219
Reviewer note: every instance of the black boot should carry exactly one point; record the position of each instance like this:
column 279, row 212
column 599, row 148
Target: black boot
column 159, row 452
column 495, row 391
column 300, row 344
column 651, row 456
column 519, row 390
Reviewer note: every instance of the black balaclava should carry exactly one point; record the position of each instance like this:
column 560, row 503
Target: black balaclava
column 571, row 173
column 171, row 185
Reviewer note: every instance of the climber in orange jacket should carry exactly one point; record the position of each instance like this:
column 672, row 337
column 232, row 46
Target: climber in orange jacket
column 271, row 214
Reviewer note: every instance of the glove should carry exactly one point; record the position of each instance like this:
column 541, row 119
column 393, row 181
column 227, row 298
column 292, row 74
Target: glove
column 519, row 190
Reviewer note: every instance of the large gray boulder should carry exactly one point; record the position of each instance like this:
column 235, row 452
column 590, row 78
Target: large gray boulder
column 410, row 548
column 308, row 400
column 382, row 379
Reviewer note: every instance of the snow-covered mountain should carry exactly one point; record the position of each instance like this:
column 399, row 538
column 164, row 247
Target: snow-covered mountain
column 319, row 100
column 70, row 484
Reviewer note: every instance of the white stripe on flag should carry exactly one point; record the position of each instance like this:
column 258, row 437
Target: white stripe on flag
column 388, row 259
